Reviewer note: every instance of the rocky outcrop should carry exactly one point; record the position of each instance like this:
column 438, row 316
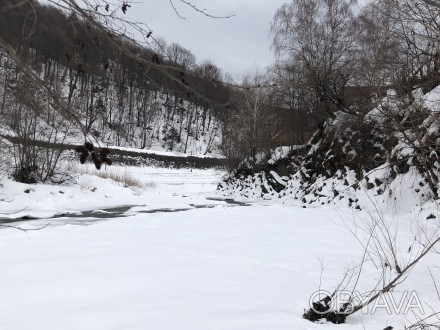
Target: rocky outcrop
column 353, row 153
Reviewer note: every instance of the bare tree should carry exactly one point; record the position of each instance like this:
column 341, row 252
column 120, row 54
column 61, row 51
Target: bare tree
column 253, row 124
column 378, row 46
column 322, row 34
column 416, row 27
column 293, row 98
column 181, row 56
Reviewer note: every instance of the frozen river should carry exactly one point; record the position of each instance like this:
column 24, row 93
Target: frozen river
column 173, row 258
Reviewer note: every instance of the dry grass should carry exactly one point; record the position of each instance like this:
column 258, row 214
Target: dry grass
column 126, row 179
column 120, row 176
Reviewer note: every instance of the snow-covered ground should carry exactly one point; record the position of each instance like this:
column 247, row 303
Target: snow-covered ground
column 155, row 188
column 222, row 267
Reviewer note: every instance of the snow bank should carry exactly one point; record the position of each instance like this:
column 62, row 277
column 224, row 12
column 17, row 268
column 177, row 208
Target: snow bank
column 159, row 188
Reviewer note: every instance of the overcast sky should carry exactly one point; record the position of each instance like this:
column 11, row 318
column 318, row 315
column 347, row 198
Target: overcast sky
column 236, row 44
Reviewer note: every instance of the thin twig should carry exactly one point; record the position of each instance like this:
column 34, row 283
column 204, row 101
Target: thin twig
column 203, row 11
column 176, row 11
column 435, row 283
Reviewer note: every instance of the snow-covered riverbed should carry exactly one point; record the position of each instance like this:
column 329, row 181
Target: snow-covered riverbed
column 221, row 268
column 242, row 267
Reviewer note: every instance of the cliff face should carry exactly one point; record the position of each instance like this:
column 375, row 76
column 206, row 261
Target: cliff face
column 390, row 150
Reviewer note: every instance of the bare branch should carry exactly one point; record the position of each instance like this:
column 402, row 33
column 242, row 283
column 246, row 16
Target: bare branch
column 203, row 11
column 175, row 10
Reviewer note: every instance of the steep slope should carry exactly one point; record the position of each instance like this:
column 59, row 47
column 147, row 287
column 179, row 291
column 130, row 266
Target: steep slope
column 117, row 94
column 389, row 153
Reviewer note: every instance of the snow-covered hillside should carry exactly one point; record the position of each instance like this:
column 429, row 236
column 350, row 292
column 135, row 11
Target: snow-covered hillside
column 110, row 109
